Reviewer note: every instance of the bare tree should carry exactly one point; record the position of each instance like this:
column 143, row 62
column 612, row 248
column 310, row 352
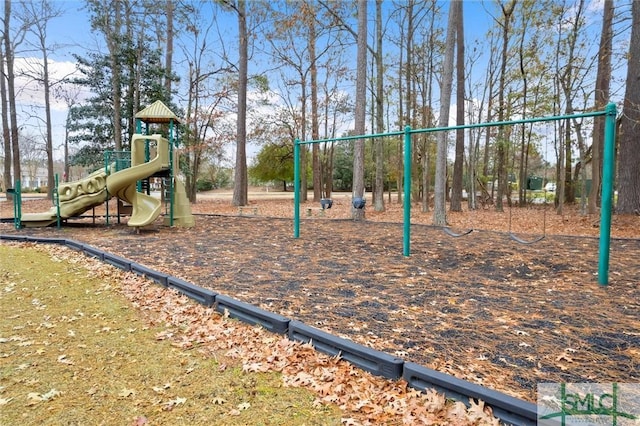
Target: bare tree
column 629, row 157
column 458, row 165
column 379, row 114
column 68, row 93
column 10, row 44
column 168, row 54
column 439, row 208
column 40, row 14
column 6, row 129
column 503, row 184
column 361, row 99
column 241, row 182
column 602, row 92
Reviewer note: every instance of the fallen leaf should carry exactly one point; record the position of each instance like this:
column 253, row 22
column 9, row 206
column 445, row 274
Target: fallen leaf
column 63, row 360
column 126, row 392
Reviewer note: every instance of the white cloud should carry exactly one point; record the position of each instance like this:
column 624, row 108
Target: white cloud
column 30, row 91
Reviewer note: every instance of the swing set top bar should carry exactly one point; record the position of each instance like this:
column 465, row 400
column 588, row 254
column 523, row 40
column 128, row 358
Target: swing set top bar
column 610, row 113
column 460, row 127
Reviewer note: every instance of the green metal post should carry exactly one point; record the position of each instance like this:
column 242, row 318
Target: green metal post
column 406, row 235
column 296, row 188
column 56, row 199
column 171, row 173
column 17, row 205
column 607, row 193
column 107, row 171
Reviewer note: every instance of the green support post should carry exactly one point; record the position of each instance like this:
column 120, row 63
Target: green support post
column 106, row 170
column 17, row 205
column 608, row 167
column 406, row 235
column 171, row 173
column 296, row 188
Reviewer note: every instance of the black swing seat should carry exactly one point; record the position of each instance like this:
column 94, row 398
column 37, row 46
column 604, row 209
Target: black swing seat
column 521, row 241
column 447, row 230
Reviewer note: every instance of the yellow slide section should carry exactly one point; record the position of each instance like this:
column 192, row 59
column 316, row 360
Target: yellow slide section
column 122, row 184
column 79, row 196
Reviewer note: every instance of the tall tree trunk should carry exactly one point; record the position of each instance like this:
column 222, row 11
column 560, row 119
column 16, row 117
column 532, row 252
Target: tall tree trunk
column 522, row 179
column 602, row 92
column 47, row 112
column 427, row 117
column 315, row 127
column 11, row 89
column 379, row 142
column 439, row 208
column 241, row 184
column 113, row 43
column 629, row 185
column 360, row 117
column 168, row 54
column 568, row 80
column 503, row 183
column 409, row 93
column 458, row 165
column 6, row 132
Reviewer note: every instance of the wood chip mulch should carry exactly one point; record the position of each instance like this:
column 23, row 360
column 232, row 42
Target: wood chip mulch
column 481, row 307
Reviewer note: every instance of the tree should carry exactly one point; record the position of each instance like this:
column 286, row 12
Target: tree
column 107, row 116
column 458, row 165
column 10, row 44
column 601, row 94
column 378, row 199
column 629, row 157
column 240, row 180
column 69, row 94
column 209, row 89
column 361, row 100
column 439, row 208
column 503, row 184
column 6, row 129
column 40, row 14
column 108, row 20
column 168, row 54
column 274, row 163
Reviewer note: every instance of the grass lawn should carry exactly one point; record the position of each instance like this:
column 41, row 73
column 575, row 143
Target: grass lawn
column 74, row 351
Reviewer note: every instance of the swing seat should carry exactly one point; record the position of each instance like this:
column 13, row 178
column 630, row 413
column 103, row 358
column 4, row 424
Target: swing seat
column 447, row 230
column 521, row 241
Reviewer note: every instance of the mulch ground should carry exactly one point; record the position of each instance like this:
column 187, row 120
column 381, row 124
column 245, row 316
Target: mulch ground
column 481, row 307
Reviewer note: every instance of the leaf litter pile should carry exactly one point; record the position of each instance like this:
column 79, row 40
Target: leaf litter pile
column 481, row 307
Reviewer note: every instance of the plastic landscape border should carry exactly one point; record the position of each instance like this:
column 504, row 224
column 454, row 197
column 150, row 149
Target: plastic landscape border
column 509, row 410
column 610, row 114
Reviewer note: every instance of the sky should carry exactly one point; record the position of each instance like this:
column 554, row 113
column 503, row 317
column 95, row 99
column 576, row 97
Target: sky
column 72, row 35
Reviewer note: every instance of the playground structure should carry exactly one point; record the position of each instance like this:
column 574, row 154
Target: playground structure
column 127, row 178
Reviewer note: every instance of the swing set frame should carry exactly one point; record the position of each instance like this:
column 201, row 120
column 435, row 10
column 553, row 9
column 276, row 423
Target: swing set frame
column 609, row 113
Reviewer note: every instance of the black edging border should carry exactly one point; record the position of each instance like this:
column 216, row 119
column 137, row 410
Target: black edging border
column 508, row 409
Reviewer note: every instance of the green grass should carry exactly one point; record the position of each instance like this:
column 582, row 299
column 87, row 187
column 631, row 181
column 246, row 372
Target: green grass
column 73, row 351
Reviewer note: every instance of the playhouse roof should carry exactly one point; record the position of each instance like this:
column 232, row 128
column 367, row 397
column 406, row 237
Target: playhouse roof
column 157, row 112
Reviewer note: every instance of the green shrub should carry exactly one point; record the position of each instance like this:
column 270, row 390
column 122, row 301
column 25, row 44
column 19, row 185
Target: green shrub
column 204, row 185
